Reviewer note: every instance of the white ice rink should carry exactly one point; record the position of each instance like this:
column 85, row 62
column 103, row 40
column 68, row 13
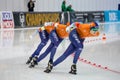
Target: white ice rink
column 99, row 60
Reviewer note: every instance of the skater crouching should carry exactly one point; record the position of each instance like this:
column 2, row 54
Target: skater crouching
column 56, row 36
column 44, row 36
column 77, row 34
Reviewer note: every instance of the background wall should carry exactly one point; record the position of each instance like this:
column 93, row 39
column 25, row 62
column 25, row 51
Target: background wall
column 55, row 5
column 12, row 5
column 78, row 5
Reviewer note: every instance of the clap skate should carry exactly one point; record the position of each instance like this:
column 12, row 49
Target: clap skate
column 73, row 69
column 49, row 67
column 29, row 60
column 32, row 65
column 34, row 62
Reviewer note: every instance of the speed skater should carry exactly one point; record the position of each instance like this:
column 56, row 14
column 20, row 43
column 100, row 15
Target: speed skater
column 44, row 36
column 56, row 36
column 77, row 34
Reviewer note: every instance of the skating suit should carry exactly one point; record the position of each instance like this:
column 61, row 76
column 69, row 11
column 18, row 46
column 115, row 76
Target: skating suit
column 56, row 36
column 77, row 37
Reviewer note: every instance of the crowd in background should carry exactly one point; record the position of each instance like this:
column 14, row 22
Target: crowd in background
column 65, row 8
column 31, row 6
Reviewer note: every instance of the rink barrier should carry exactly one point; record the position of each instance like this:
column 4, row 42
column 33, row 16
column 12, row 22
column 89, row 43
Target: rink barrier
column 93, row 64
column 35, row 19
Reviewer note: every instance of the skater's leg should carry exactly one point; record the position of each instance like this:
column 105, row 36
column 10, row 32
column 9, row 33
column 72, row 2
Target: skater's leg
column 78, row 43
column 79, row 48
column 56, row 40
column 69, row 51
column 37, row 51
column 44, row 39
column 53, row 51
column 39, row 48
column 76, row 55
column 42, row 56
column 44, row 36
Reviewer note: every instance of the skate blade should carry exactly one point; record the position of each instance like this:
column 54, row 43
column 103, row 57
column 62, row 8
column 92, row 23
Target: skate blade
column 31, row 66
column 72, row 73
column 47, row 71
column 27, row 62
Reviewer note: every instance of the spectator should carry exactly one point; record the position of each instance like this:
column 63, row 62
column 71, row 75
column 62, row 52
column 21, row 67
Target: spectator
column 72, row 14
column 69, row 8
column 31, row 6
column 63, row 6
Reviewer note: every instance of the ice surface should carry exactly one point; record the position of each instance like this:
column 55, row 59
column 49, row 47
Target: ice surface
column 16, row 47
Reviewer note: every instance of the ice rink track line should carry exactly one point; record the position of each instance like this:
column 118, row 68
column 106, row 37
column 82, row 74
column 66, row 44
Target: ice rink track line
column 96, row 65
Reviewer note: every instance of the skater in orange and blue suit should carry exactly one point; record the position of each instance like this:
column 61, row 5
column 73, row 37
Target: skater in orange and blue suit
column 56, row 36
column 77, row 34
column 44, row 36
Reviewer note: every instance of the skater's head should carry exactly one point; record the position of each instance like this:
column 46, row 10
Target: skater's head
column 64, row 1
column 93, row 24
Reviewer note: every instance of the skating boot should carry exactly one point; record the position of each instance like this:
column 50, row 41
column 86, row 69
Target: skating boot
column 73, row 69
column 34, row 62
column 32, row 65
column 29, row 60
column 49, row 67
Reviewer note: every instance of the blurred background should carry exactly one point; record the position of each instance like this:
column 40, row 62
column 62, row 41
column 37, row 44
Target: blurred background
column 17, row 24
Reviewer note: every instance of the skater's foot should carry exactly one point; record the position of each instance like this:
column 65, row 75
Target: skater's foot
column 29, row 60
column 73, row 69
column 48, row 68
column 47, row 71
column 72, row 72
column 35, row 60
column 32, row 65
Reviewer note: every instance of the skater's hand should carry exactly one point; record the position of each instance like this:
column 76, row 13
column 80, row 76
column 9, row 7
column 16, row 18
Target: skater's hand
column 42, row 28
